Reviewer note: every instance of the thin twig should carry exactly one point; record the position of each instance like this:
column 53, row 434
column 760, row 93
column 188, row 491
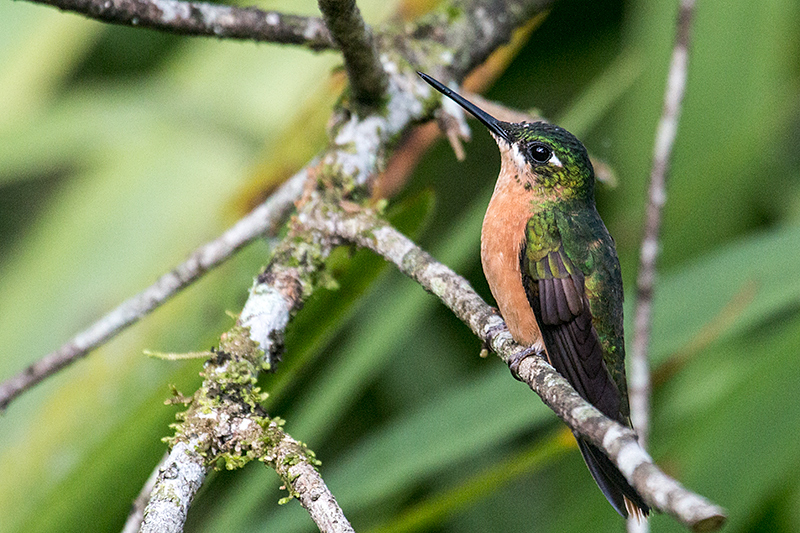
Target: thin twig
column 657, row 197
column 640, row 383
column 205, row 20
column 368, row 80
column 619, row 442
column 266, row 217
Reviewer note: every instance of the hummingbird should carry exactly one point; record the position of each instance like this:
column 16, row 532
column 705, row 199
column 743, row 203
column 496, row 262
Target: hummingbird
column 553, row 270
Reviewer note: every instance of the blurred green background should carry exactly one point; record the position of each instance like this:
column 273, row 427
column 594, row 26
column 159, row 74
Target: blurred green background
column 121, row 150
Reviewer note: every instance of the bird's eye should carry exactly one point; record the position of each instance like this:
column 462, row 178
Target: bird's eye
column 540, row 153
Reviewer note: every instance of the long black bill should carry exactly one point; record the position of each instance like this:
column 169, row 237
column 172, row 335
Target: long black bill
column 488, row 120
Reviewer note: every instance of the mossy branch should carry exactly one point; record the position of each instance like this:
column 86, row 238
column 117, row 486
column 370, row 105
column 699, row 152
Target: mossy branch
column 224, row 426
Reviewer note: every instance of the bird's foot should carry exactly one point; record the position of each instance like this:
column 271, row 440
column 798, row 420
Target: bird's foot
column 517, row 359
column 492, row 332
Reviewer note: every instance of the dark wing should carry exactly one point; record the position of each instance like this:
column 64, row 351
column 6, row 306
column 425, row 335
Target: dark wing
column 556, row 291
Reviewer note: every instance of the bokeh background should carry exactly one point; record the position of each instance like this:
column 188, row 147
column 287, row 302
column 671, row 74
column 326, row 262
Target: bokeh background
column 121, row 150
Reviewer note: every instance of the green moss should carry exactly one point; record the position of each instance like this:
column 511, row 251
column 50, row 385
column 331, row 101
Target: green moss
column 453, row 12
column 228, row 395
column 230, row 461
column 237, row 342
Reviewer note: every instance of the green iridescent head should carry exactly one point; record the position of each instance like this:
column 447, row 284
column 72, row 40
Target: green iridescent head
column 553, row 157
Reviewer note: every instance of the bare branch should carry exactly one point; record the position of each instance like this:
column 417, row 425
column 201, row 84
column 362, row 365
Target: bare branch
column 657, row 196
column 619, row 442
column 364, row 70
column 204, row 19
column 640, row 385
column 264, row 218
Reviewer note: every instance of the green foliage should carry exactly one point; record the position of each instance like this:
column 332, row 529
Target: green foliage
column 121, row 150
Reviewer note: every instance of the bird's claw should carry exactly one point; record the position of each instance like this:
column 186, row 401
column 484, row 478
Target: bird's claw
column 491, row 333
column 517, row 359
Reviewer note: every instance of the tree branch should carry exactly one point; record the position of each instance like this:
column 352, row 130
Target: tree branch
column 368, row 80
column 264, row 218
column 640, row 386
column 618, row 442
column 657, row 197
column 178, row 481
column 225, row 422
column 308, row 487
column 351, row 162
column 372, row 137
column 204, row 19
column 181, row 475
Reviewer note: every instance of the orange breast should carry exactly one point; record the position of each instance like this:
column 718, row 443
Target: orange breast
column 501, row 238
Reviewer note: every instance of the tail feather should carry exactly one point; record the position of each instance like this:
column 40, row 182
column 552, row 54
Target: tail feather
column 616, row 488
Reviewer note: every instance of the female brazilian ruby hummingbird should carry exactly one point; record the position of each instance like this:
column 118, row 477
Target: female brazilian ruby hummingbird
column 554, row 272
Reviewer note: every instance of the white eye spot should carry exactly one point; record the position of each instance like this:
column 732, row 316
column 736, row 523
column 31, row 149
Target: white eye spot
column 555, row 161
column 519, row 159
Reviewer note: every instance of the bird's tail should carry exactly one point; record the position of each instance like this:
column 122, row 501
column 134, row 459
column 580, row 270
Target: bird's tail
column 616, row 488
